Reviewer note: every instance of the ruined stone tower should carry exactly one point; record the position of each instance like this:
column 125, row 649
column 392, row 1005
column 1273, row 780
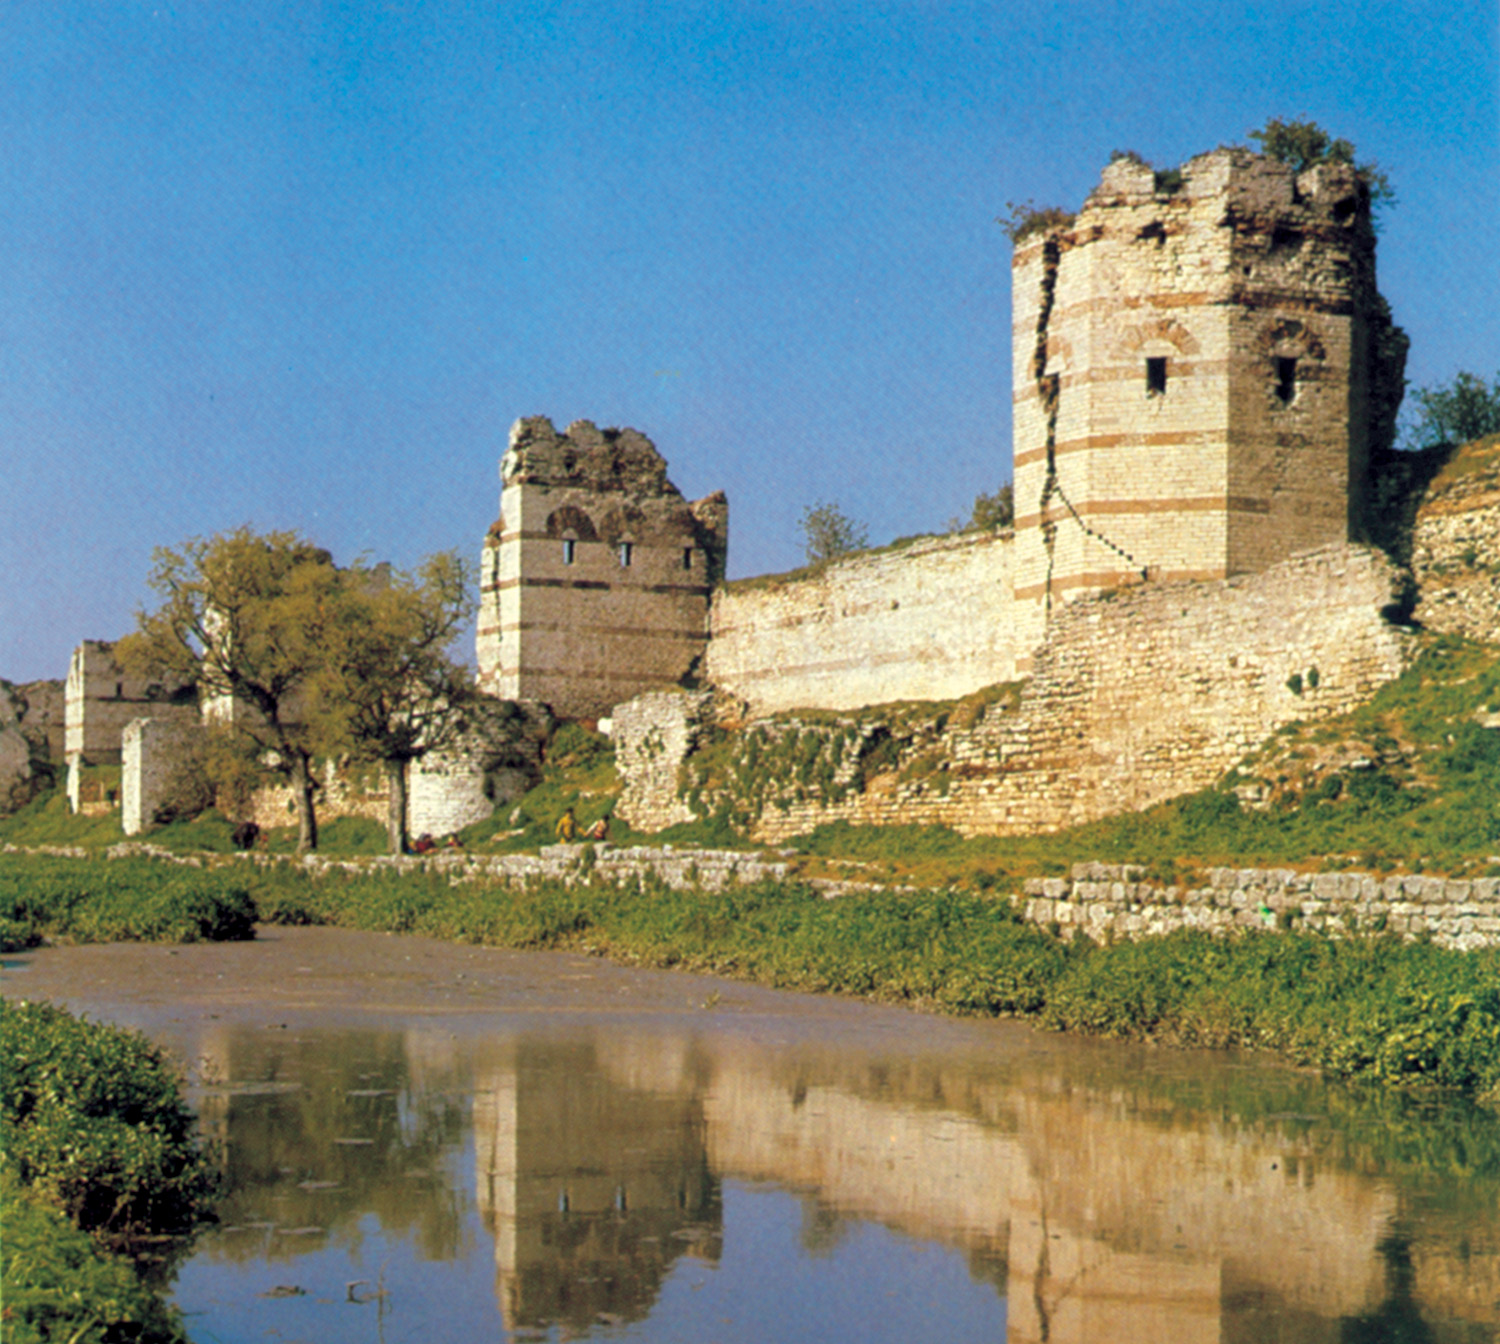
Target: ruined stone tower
column 594, row 584
column 1200, row 367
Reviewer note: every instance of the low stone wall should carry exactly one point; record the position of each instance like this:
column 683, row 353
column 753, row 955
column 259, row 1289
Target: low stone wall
column 1456, row 545
column 1104, row 900
column 931, row 620
column 708, row 869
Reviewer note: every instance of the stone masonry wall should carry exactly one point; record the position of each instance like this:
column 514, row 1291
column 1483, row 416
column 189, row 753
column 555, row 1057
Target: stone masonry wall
column 1136, row 697
column 594, row 584
column 927, row 621
column 653, row 735
column 1456, row 545
column 1103, row 900
column 150, row 750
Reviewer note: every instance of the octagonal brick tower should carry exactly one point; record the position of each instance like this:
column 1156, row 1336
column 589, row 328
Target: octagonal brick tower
column 1200, row 369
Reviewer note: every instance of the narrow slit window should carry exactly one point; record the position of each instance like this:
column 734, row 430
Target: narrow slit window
column 1286, row 381
column 1156, row 375
column 687, row 557
column 570, row 550
column 627, row 553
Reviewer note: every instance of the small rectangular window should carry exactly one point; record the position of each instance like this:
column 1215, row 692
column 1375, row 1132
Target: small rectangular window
column 627, row 553
column 687, row 557
column 570, row 551
column 1286, row 380
column 1156, row 375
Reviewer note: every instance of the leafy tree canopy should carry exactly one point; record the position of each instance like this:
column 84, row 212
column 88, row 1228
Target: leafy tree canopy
column 296, row 657
column 1304, row 144
column 247, row 616
column 386, row 689
column 1465, row 409
column 827, row 532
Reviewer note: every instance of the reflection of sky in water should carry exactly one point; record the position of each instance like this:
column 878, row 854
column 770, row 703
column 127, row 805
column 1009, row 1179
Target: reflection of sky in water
column 874, row 1285
column 701, row 1187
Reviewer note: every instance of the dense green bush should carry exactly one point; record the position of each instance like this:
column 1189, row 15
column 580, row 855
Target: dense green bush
column 92, row 1122
column 97, row 900
column 59, row 1285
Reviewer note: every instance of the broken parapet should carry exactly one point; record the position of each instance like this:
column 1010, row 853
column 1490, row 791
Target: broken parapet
column 594, row 584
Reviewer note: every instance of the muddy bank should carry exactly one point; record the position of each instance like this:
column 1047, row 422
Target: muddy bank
column 298, row 977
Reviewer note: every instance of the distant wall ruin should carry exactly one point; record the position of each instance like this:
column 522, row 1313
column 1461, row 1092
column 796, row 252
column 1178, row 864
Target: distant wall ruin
column 100, row 700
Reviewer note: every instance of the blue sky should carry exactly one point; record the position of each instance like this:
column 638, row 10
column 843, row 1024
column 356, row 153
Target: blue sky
column 302, row 265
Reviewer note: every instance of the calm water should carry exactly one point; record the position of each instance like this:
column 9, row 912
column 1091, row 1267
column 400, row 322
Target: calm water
column 662, row 1182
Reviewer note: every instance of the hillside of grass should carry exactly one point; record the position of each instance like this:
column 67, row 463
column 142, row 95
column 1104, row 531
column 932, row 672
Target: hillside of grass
column 1409, row 781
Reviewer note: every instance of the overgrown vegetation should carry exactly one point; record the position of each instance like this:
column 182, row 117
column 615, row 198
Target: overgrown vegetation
column 1302, row 144
column 101, row 901
column 59, row 1284
column 1023, row 219
column 103, row 1179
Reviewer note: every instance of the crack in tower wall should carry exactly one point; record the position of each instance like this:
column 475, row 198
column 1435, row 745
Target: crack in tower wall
column 1048, row 393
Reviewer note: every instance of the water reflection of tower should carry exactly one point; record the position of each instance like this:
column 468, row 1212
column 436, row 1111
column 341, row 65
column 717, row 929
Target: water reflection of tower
column 593, row 1180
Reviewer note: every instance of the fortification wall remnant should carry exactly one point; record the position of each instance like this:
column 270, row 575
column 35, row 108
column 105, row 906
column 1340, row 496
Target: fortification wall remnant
column 101, row 699
column 152, row 752
column 1135, row 697
column 929, row 620
column 594, row 584
column 492, row 764
column 1456, row 545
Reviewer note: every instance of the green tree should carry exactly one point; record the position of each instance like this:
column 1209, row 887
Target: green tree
column 1454, row 413
column 1304, row 144
column 827, row 532
column 386, row 690
column 989, row 512
column 247, row 616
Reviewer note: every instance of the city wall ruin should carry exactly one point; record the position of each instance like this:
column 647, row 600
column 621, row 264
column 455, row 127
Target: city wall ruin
column 929, row 620
column 1135, row 697
column 595, row 580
